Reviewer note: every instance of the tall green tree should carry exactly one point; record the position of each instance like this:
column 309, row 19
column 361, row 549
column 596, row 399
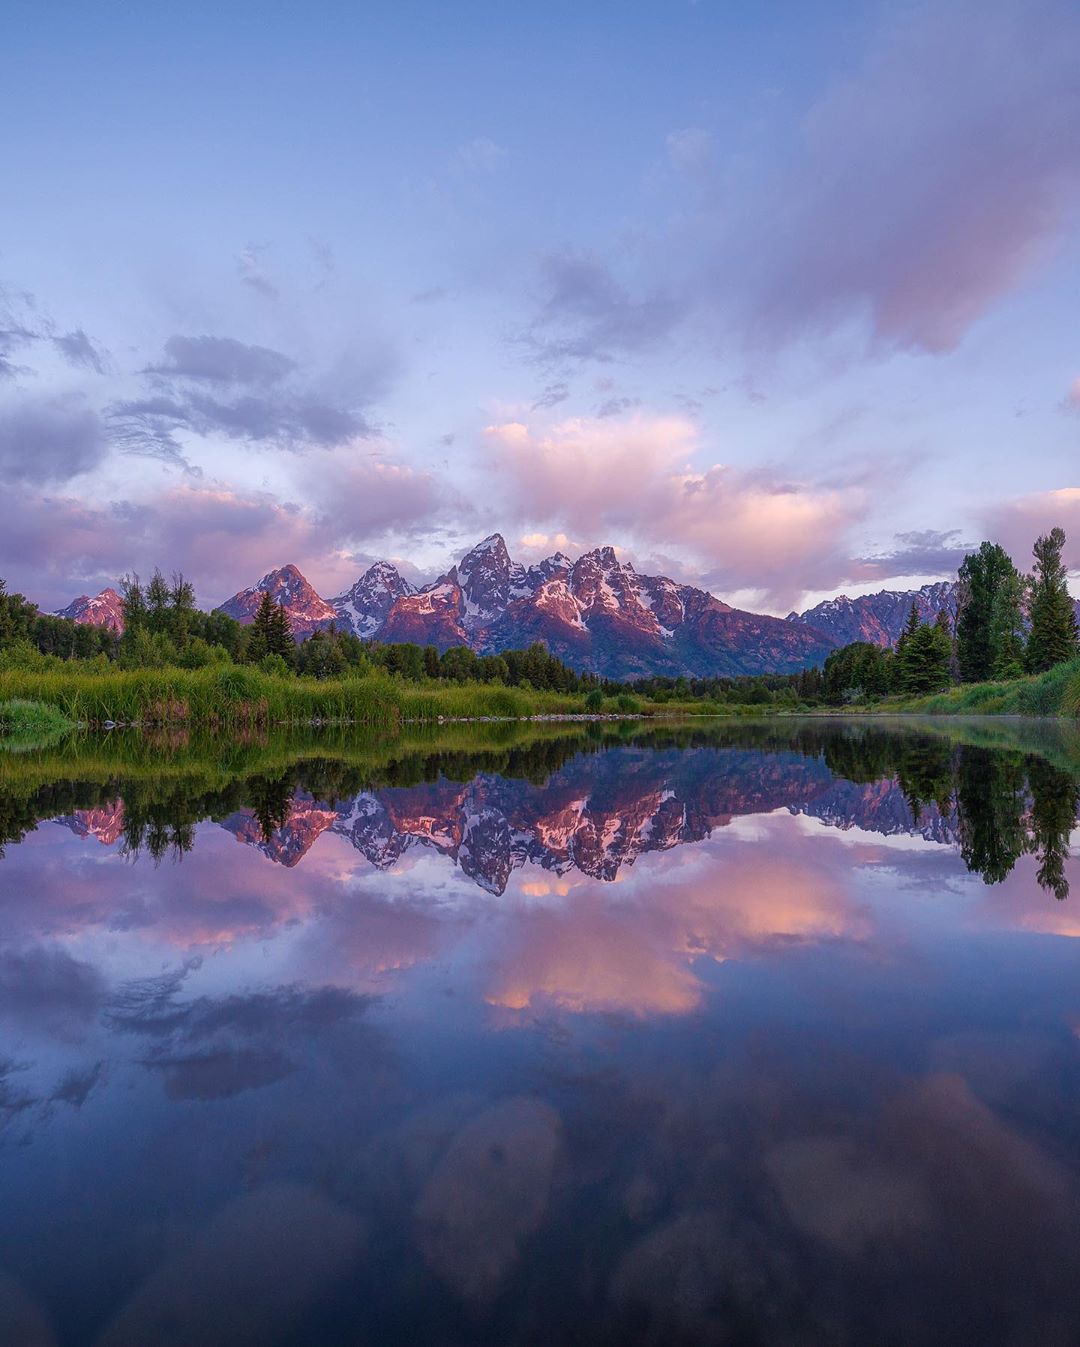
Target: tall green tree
column 133, row 602
column 989, row 616
column 923, row 656
column 1054, row 636
column 280, row 637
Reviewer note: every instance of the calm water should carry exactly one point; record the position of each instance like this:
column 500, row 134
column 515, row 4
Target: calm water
column 766, row 1034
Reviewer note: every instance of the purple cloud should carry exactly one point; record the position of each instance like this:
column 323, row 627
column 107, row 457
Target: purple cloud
column 929, row 181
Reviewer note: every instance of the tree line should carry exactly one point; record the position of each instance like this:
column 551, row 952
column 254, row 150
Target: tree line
column 1007, row 624
column 163, row 628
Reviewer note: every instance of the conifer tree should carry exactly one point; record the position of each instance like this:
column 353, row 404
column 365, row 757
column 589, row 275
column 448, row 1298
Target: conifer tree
column 279, row 637
column 258, row 644
column 1054, row 636
column 989, row 621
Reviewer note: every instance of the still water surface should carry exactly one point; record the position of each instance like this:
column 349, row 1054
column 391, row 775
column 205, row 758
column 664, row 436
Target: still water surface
column 759, row 1034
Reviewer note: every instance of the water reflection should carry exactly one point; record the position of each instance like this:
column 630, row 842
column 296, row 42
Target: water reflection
column 565, row 810
column 760, row 1035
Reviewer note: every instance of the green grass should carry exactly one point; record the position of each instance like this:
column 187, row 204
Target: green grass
column 1054, row 693
column 229, row 696
column 28, row 724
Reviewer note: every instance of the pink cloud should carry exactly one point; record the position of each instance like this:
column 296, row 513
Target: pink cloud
column 931, row 180
column 222, row 538
column 1016, row 524
column 632, row 480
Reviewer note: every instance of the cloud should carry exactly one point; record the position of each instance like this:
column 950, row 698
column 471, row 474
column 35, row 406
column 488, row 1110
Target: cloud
column 617, row 406
column 49, row 439
column 209, row 386
column 12, row 338
column 77, row 349
column 1016, row 524
column 631, row 479
column 929, row 181
column 223, row 360
column 921, row 552
column 480, row 156
column 251, row 271
column 587, row 314
column 691, row 150
column 53, row 546
column 552, row 395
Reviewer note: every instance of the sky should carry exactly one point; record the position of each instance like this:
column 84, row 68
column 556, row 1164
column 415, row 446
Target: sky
column 777, row 299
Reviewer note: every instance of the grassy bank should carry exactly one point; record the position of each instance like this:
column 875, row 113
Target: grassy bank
column 25, row 723
column 237, row 696
column 1054, row 693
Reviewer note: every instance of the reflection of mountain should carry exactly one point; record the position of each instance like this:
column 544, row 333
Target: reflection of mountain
column 290, row 842
column 596, row 815
column 106, row 824
column 595, row 808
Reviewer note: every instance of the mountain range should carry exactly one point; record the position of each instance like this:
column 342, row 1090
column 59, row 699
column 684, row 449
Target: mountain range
column 596, row 613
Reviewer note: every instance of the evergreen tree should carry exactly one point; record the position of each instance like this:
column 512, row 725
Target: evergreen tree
column 923, row 655
column 1054, row 636
column 279, row 637
column 257, row 645
column 989, row 622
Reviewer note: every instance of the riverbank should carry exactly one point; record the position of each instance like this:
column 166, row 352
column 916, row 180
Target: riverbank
column 239, row 696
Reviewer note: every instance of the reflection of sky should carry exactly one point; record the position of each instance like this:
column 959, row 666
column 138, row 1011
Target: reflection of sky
column 786, row 1047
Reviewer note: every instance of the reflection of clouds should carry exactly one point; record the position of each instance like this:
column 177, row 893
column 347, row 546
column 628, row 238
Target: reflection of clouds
column 213, row 1048
column 635, row 951
column 44, row 985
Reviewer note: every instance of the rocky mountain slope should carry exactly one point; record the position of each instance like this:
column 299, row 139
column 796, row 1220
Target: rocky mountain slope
column 307, row 611
column 596, row 613
column 877, row 618
column 102, row 610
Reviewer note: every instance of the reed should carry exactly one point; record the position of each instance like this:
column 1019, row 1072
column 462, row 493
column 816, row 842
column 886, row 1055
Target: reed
column 238, row 696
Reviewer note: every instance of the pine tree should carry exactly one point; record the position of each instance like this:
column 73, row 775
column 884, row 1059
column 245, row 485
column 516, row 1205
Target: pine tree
column 258, row 644
column 1054, row 636
column 989, row 622
column 279, row 637
column 923, row 654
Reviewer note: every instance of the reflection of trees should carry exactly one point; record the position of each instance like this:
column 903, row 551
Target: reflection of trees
column 991, row 804
column 1055, row 798
column 1009, row 804
column 1000, row 802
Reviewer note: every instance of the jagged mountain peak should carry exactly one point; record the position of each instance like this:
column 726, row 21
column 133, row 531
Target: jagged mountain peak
column 363, row 608
column 288, row 586
column 105, row 609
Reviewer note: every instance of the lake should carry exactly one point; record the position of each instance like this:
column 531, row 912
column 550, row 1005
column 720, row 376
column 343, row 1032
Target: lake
column 747, row 1032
